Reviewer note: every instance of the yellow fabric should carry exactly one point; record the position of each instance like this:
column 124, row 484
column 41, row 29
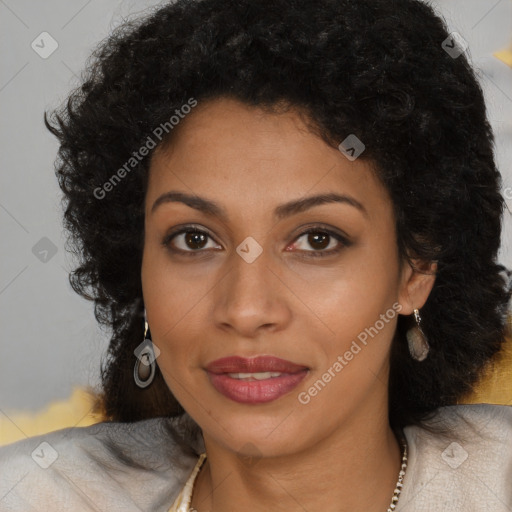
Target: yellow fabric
column 77, row 410
column 505, row 55
column 496, row 385
column 182, row 502
column 494, row 388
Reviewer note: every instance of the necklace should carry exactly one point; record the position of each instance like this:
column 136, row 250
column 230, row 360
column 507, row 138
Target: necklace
column 401, row 474
column 190, row 484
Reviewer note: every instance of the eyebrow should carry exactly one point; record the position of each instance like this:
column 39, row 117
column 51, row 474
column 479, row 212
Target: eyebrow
column 211, row 208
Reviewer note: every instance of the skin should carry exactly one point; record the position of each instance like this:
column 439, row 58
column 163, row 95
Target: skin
column 337, row 452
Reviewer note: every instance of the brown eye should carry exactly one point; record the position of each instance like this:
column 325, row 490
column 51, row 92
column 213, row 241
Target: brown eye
column 187, row 240
column 319, row 240
column 324, row 242
column 195, row 239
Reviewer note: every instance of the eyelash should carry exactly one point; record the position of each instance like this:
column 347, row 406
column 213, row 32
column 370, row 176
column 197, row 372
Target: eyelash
column 344, row 242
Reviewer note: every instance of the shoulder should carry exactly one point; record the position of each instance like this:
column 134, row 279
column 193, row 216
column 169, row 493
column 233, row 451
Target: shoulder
column 107, row 466
column 465, row 465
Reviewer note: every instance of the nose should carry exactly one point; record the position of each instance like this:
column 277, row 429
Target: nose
column 251, row 297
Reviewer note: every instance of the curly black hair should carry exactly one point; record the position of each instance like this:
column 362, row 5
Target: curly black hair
column 378, row 69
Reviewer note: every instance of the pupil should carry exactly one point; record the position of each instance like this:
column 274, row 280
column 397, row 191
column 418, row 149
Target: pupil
column 194, row 238
column 313, row 239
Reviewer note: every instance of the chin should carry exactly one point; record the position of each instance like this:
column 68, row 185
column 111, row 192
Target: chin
column 258, row 434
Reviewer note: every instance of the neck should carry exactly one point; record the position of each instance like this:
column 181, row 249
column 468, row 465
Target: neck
column 356, row 468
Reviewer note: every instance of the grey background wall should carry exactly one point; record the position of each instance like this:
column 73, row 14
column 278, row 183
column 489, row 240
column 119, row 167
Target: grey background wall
column 49, row 338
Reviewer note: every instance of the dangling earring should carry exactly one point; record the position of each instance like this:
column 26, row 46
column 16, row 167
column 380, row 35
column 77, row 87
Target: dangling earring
column 145, row 366
column 418, row 344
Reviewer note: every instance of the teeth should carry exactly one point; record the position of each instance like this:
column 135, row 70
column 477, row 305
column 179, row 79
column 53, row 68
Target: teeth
column 254, row 376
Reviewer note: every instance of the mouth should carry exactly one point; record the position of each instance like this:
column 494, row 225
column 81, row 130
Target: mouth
column 255, row 380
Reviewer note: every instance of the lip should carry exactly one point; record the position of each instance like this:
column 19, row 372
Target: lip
column 238, row 364
column 256, row 391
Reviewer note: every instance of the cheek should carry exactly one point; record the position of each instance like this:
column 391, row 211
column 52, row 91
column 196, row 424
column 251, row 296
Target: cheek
column 358, row 322
column 353, row 291
column 350, row 310
column 176, row 298
column 176, row 312
column 171, row 291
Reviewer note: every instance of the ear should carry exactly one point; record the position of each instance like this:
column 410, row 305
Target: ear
column 416, row 285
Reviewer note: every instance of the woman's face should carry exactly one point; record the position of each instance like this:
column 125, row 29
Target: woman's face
column 242, row 279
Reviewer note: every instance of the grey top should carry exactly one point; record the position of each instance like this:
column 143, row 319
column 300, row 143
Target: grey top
column 83, row 468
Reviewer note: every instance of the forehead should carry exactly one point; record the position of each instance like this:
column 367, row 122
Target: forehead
column 249, row 158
